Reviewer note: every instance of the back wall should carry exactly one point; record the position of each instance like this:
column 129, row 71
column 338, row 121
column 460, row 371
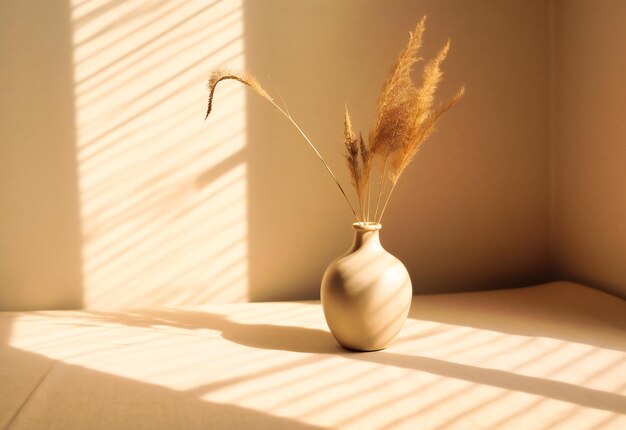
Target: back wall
column 116, row 193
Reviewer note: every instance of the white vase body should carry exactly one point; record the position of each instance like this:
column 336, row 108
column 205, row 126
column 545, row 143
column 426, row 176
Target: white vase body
column 366, row 293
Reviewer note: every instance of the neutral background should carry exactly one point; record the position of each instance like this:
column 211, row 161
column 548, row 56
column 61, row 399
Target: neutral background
column 589, row 143
column 115, row 193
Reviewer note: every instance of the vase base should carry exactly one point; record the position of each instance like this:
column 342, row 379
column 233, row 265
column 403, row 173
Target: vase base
column 349, row 349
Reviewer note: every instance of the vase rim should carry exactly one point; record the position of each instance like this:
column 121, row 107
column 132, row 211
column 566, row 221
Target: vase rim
column 367, row 226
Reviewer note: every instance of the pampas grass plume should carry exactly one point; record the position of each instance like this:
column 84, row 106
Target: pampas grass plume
column 405, row 118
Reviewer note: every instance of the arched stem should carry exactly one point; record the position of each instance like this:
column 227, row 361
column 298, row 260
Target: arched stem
column 318, row 155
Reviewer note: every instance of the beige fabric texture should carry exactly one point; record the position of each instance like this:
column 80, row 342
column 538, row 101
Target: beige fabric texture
column 550, row 356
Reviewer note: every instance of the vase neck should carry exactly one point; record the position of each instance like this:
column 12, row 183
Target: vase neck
column 368, row 237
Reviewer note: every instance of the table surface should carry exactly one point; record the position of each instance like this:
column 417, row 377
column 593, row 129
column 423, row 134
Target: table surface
column 551, row 356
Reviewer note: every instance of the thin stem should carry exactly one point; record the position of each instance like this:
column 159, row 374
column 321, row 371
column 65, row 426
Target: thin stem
column 358, row 193
column 318, row 155
column 362, row 204
column 370, row 162
column 382, row 184
column 280, row 97
column 367, row 198
column 387, row 201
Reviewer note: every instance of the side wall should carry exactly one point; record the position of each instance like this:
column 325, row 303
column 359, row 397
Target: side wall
column 589, row 143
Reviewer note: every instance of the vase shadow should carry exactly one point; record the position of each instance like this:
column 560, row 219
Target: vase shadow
column 263, row 336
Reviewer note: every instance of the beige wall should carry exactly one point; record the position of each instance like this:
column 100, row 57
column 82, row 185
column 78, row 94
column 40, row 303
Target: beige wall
column 589, row 136
column 114, row 192
column 471, row 212
column 39, row 223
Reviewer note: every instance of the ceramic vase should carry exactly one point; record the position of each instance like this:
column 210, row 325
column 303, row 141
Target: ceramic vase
column 366, row 293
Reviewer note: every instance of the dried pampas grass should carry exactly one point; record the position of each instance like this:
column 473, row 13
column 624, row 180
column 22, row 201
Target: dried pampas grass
column 247, row 79
column 400, row 135
column 405, row 118
column 353, row 150
column 394, row 109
